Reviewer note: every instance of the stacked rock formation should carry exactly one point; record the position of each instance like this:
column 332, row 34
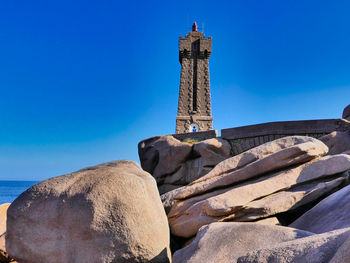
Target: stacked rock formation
column 226, row 209
column 268, row 180
column 284, row 201
column 174, row 163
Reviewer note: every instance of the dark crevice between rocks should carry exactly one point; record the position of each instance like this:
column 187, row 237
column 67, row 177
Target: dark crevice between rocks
column 161, row 257
column 4, row 257
column 209, row 166
column 255, row 220
column 177, row 243
column 288, row 217
column 193, row 154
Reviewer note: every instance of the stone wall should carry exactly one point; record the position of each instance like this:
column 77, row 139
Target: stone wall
column 244, row 138
column 178, row 159
column 196, row 136
column 247, row 137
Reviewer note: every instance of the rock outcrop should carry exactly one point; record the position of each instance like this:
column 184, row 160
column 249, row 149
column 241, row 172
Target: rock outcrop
column 343, row 253
column 273, row 178
column 107, row 213
column 346, row 113
column 226, row 242
column 3, row 218
column 330, row 214
column 4, row 257
column 337, row 142
column 290, row 199
column 174, row 163
column 220, row 208
column 257, row 161
column 321, row 248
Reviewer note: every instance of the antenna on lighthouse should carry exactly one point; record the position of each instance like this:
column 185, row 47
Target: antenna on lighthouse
column 203, row 28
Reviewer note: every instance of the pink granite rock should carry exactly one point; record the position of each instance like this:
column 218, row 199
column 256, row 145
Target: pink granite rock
column 3, row 218
column 107, row 213
column 346, row 113
column 331, row 213
column 337, row 142
column 174, row 163
column 188, row 215
column 163, row 155
column 265, row 158
column 313, row 249
column 226, row 242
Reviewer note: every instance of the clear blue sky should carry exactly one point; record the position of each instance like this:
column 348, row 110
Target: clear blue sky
column 82, row 82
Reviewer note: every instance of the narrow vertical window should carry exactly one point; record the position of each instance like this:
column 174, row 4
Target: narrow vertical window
column 195, row 55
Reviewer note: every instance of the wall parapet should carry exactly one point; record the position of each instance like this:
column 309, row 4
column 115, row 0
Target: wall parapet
column 304, row 127
column 244, row 138
column 200, row 136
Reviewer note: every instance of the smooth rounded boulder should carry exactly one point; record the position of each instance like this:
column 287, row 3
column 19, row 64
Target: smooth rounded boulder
column 343, row 253
column 346, row 113
column 226, row 242
column 107, row 213
column 321, row 248
column 162, row 155
column 337, row 142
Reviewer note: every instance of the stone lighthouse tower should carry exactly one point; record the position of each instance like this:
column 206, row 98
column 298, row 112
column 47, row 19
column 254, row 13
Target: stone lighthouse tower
column 194, row 108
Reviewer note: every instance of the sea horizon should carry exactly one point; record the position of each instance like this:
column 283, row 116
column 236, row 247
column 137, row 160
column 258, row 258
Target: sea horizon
column 11, row 189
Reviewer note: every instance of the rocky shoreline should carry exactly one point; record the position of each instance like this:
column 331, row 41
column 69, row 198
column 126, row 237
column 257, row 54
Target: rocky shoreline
column 284, row 201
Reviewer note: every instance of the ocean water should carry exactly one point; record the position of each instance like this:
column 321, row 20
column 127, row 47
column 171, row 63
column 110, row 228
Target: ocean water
column 10, row 190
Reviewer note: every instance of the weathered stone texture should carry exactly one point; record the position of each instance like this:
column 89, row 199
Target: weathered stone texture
column 102, row 214
column 3, row 218
column 194, row 105
column 174, row 163
column 337, row 141
column 197, row 136
column 346, row 113
column 330, row 214
column 320, row 248
column 265, row 181
column 246, row 137
column 226, row 242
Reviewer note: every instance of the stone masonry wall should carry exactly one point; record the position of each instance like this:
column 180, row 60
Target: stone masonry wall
column 194, row 105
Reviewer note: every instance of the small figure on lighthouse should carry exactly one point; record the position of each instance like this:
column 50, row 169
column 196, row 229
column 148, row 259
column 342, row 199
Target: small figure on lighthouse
column 194, row 27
